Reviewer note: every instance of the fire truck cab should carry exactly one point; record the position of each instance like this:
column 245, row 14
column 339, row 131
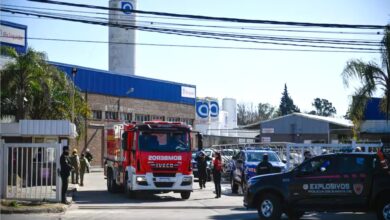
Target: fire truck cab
column 149, row 156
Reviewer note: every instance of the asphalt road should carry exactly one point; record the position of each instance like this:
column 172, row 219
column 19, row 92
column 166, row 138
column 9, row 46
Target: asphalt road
column 94, row 202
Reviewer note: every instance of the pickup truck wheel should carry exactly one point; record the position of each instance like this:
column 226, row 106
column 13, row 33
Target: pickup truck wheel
column 233, row 185
column 185, row 195
column 269, row 207
column 383, row 211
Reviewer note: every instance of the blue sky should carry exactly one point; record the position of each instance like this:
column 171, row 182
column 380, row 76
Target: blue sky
column 248, row 76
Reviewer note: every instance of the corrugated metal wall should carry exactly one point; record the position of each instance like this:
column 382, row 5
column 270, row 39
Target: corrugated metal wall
column 106, row 83
column 293, row 124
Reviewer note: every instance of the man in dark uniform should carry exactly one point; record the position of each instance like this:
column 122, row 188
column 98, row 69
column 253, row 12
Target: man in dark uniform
column 201, row 160
column 65, row 173
column 264, row 167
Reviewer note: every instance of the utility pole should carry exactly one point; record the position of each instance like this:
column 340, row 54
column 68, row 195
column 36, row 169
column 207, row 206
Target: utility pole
column 74, row 72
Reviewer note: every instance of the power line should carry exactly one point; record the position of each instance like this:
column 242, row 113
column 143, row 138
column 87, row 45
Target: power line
column 194, row 46
column 361, row 42
column 197, row 25
column 202, row 34
column 199, row 34
column 236, row 20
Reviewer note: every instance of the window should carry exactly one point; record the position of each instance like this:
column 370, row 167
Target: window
column 126, row 116
column 187, row 121
column 157, row 118
column 96, row 114
column 164, row 142
column 317, row 166
column 173, row 119
column 111, row 115
column 140, row 117
column 253, row 156
column 353, row 164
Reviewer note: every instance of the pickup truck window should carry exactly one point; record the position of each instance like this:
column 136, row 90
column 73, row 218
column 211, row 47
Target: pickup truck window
column 354, row 164
column 318, row 165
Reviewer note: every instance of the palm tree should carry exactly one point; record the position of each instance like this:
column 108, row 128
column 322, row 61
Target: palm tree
column 373, row 77
column 33, row 89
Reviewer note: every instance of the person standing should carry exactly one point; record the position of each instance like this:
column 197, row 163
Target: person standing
column 65, row 173
column 264, row 167
column 88, row 155
column 84, row 167
column 201, row 160
column 75, row 162
column 217, row 172
column 306, row 155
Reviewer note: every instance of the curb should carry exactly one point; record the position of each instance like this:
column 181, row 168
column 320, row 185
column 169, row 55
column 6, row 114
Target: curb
column 58, row 208
column 41, row 208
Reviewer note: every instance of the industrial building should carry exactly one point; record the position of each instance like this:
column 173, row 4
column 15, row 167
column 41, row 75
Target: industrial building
column 305, row 128
column 115, row 97
column 375, row 125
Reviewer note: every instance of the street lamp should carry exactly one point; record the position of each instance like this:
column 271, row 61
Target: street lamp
column 74, row 71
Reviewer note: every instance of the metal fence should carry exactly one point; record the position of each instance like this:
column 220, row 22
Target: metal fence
column 292, row 153
column 30, row 171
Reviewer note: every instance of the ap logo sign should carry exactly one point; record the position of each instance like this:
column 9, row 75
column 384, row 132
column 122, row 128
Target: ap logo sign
column 127, row 7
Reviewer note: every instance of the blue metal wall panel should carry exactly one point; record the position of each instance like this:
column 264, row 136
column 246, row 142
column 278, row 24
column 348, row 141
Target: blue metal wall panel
column 106, row 83
column 373, row 111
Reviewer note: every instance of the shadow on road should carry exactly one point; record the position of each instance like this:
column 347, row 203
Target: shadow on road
column 104, row 197
column 242, row 216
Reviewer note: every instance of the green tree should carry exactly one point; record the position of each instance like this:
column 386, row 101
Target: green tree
column 265, row 111
column 33, row 89
column 372, row 77
column 323, row 107
column 287, row 104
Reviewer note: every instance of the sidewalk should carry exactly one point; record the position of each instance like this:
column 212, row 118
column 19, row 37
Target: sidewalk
column 12, row 206
column 94, row 195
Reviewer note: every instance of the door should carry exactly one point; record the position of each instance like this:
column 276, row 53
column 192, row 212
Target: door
column 312, row 186
column 357, row 171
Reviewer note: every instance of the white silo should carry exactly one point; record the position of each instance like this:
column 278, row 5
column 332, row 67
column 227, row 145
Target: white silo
column 230, row 105
column 122, row 56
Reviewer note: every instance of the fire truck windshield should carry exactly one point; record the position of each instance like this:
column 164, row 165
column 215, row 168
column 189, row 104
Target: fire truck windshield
column 164, row 142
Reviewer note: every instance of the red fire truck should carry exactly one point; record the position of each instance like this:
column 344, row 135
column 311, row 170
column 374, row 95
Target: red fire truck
column 149, row 156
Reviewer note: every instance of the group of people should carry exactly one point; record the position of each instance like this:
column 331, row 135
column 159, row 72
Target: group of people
column 75, row 166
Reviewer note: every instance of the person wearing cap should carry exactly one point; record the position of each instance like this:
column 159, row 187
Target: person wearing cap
column 75, row 162
column 65, row 169
column 84, row 167
column 264, row 167
column 306, row 155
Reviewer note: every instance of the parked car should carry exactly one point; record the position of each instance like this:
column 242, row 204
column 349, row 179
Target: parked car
column 244, row 166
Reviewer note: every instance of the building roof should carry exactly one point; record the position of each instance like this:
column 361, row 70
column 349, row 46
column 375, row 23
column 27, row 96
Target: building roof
column 331, row 120
column 31, row 128
column 120, row 85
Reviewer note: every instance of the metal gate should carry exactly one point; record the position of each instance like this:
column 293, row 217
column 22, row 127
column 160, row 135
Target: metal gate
column 30, row 171
column 292, row 153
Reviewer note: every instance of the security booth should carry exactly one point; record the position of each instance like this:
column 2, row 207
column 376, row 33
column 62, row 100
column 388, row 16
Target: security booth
column 30, row 150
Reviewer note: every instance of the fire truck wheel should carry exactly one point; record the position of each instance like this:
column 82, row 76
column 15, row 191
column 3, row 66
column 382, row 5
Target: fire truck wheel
column 112, row 187
column 185, row 195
